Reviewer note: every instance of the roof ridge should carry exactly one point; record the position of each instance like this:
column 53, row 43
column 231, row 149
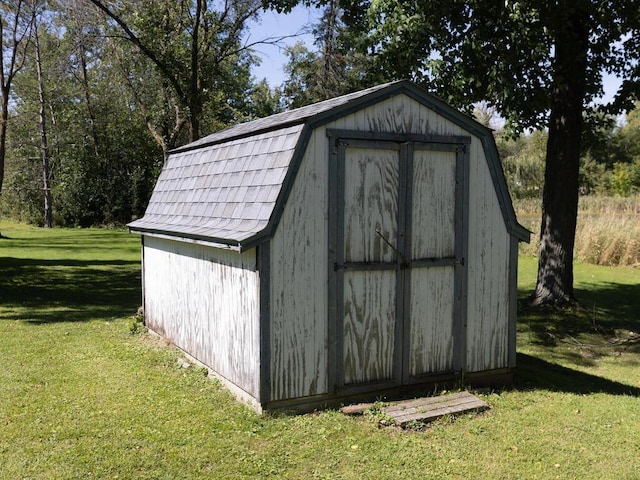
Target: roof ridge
column 281, row 119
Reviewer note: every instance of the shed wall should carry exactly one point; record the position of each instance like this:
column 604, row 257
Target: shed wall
column 488, row 271
column 206, row 301
column 299, row 272
column 299, row 282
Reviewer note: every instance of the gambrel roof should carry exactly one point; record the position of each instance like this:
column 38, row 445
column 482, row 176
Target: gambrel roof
column 228, row 187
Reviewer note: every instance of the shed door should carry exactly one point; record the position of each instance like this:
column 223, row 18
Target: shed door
column 397, row 261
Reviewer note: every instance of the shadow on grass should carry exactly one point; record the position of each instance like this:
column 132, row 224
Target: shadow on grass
column 604, row 324
column 534, row 373
column 46, row 291
column 604, row 309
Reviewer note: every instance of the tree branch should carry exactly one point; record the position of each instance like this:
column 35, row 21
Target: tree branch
column 133, row 38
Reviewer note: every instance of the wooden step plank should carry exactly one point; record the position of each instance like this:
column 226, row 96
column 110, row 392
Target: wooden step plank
column 459, row 405
column 437, row 413
column 432, row 408
column 427, row 401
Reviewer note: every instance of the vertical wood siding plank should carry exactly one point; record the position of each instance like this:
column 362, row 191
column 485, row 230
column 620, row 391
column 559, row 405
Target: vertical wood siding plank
column 433, row 216
column 431, row 320
column 299, row 289
column 488, row 269
column 371, row 205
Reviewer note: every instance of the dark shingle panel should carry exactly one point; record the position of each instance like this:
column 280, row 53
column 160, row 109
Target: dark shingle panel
column 222, row 191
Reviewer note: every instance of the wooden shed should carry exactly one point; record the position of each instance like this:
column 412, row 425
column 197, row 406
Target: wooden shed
column 360, row 245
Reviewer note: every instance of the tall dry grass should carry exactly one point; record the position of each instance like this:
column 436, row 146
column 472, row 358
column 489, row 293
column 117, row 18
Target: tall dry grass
column 608, row 230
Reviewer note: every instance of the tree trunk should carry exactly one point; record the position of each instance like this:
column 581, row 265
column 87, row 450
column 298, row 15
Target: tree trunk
column 44, row 145
column 86, row 89
column 195, row 99
column 560, row 196
column 4, row 117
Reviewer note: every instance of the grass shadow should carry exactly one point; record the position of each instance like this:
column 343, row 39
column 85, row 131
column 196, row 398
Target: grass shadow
column 534, row 373
column 604, row 310
column 46, row 291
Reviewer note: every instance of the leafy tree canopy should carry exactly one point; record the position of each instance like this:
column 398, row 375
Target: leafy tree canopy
column 504, row 52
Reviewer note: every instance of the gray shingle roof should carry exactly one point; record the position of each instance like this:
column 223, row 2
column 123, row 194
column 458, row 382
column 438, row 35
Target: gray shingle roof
column 223, row 192
column 291, row 117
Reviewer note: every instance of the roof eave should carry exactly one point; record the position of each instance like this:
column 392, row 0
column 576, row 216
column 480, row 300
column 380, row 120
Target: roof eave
column 224, row 243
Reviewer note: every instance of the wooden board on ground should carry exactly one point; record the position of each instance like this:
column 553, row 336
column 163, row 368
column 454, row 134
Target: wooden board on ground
column 428, row 409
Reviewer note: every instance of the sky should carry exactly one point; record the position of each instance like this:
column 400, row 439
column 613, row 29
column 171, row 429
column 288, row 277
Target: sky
column 272, row 24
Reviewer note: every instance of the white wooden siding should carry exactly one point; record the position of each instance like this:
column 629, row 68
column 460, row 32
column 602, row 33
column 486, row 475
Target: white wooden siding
column 488, row 256
column 432, row 236
column 370, row 235
column 434, row 200
column 206, row 301
column 370, row 205
column 488, row 271
column 299, row 270
column 399, row 114
column 299, row 282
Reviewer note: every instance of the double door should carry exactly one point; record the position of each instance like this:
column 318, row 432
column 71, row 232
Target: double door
column 397, row 256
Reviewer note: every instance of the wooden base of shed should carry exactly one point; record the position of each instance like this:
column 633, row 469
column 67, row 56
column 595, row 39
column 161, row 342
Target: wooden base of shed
column 496, row 379
column 502, row 378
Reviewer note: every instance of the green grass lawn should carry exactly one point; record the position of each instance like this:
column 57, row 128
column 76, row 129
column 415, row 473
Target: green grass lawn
column 80, row 397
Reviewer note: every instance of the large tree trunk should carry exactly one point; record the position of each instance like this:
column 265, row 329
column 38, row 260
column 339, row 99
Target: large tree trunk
column 560, row 197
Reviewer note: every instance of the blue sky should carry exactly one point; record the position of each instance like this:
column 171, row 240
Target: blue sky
column 272, row 24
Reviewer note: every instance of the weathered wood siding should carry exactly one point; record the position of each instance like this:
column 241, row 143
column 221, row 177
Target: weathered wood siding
column 434, row 200
column 488, row 271
column 371, row 197
column 489, row 242
column 206, row 301
column 370, row 205
column 369, row 325
column 299, row 311
column 432, row 236
column 431, row 321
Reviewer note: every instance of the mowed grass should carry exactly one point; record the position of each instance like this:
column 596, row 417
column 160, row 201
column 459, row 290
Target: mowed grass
column 80, row 397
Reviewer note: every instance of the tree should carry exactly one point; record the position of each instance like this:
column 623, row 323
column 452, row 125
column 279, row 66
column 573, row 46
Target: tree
column 540, row 64
column 194, row 48
column 523, row 163
column 44, row 142
column 103, row 162
column 339, row 65
column 16, row 24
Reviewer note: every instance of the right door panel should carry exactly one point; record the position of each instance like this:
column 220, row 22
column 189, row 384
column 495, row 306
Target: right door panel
column 432, row 259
